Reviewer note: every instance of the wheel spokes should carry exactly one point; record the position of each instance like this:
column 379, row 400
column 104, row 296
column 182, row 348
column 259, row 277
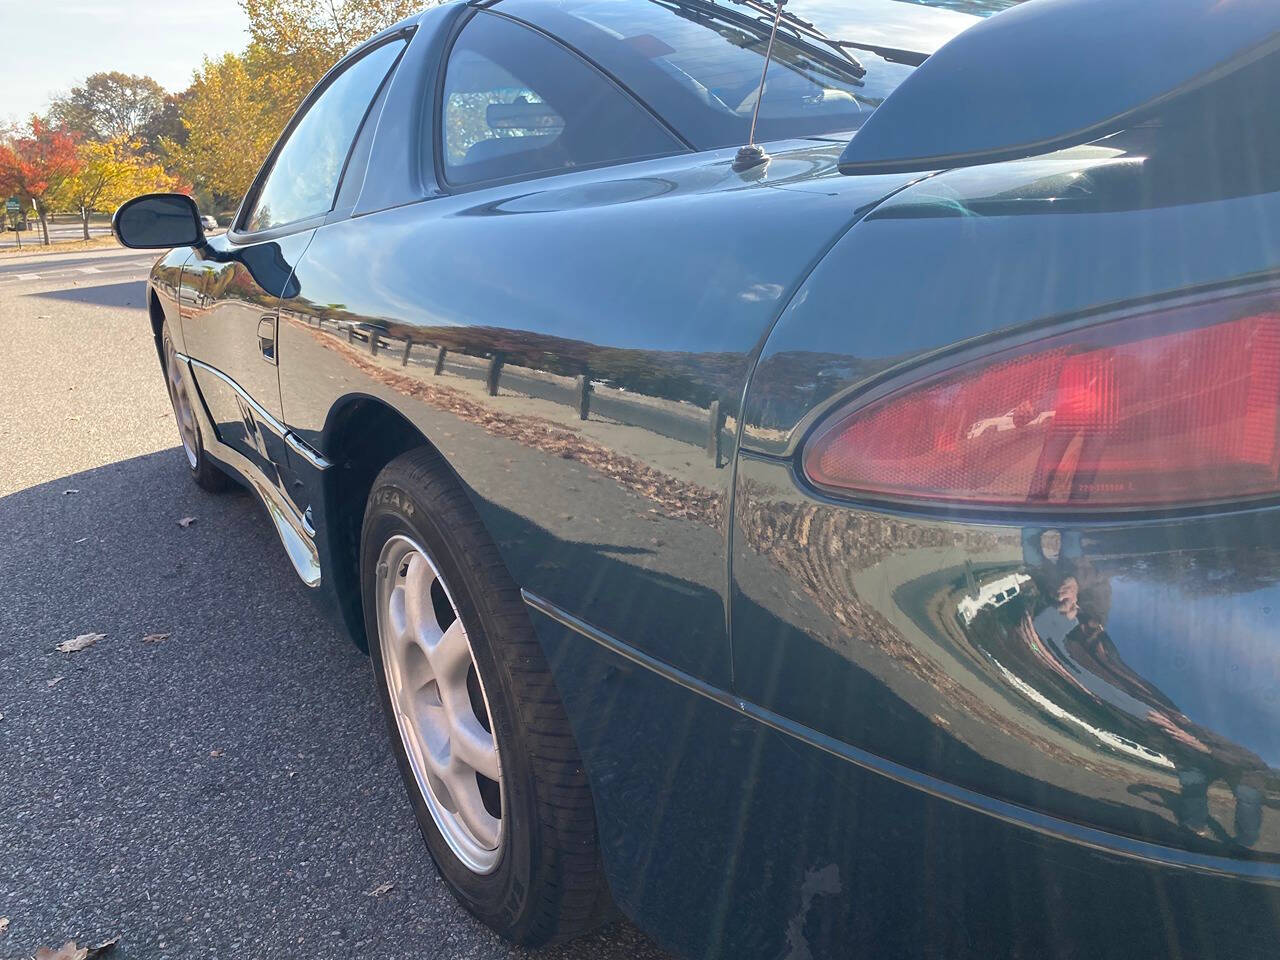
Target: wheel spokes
column 473, row 745
column 470, row 806
column 470, row 743
column 420, row 615
column 397, row 614
column 450, row 655
column 428, row 664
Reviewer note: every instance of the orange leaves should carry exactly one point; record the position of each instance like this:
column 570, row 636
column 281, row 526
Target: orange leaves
column 32, row 165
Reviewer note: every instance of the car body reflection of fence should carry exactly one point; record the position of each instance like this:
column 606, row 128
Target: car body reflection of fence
column 704, row 428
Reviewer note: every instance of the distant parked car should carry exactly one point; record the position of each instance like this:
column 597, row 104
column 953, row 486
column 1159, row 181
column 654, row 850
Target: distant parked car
column 951, row 630
column 208, row 222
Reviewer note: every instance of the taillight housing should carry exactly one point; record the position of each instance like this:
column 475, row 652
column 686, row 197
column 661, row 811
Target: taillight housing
column 1161, row 409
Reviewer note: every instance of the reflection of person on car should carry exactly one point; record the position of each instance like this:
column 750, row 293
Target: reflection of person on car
column 1072, row 628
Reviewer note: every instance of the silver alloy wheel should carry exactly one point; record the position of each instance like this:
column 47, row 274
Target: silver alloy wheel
column 180, row 397
column 439, row 702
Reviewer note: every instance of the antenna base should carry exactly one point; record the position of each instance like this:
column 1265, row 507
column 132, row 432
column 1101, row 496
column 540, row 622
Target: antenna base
column 752, row 155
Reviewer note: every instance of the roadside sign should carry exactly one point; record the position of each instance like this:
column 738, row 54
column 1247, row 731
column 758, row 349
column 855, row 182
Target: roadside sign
column 12, row 206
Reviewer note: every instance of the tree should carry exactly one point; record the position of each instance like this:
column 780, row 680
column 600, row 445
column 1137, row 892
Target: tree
column 228, row 129
column 310, row 37
column 296, row 41
column 110, row 173
column 109, row 105
column 165, row 125
column 36, row 165
column 238, row 104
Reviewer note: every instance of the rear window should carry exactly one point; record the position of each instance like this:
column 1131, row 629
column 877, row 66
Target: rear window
column 699, row 67
column 517, row 105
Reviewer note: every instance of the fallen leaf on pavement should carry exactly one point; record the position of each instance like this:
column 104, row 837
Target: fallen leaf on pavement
column 104, row 947
column 186, row 522
column 155, row 638
column 54, row 682
column 216, row 753
column 70, row 951
column 4, row 924
column 72, row 490
column 76, row 644
column 380, row 889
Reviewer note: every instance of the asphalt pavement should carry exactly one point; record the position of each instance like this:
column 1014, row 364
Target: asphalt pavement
column 226, row 791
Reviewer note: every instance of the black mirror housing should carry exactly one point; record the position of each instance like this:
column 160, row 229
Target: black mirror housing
column 158, row 221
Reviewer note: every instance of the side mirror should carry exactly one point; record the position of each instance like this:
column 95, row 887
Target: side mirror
column 158, row 221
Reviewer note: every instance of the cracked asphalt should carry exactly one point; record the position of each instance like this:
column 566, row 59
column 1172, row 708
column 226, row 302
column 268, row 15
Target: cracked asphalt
column 227, row 792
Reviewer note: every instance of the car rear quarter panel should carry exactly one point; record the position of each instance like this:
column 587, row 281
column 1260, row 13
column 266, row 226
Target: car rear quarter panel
column 913, row 635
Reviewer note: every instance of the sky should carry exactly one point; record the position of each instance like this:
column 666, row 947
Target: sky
column 52, row 45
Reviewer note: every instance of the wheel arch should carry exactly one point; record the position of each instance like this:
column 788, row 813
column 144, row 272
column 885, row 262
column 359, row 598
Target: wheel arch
column 362, row 434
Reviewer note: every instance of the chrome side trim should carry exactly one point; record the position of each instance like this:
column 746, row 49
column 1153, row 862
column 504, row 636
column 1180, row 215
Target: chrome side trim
column 292, row 531
column 276, row 426
column 296, row 535
column 295, row 443
column 1011, row 813
column 306, row 451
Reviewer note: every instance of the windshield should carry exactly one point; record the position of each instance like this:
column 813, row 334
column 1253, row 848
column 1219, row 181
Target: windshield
column 979, row 8
column 698, row 65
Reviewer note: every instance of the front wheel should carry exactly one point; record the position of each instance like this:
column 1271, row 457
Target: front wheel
column 181, row 395
column 478, row 730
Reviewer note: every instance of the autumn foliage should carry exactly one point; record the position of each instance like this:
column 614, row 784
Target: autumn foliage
column 117, row 135
column 34, row 167
column 109, row 174
column 238, row 104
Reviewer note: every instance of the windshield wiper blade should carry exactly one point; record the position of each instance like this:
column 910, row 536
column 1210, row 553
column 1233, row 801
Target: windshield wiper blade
column 803, row 30
column 894, row 54
column 801, row 34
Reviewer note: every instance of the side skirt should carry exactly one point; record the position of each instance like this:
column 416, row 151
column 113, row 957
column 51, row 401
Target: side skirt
column 296, row 531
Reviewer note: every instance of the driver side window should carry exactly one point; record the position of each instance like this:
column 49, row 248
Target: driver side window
column 518, row 104
column 307, row 169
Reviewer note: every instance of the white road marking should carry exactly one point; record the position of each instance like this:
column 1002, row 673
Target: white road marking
column 57, row 272
column 61, row 274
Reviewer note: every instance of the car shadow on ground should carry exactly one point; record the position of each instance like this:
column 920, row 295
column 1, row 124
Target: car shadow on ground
column 131, row 293
column 224, row 792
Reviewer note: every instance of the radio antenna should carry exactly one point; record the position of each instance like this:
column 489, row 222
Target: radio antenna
column 753, row 154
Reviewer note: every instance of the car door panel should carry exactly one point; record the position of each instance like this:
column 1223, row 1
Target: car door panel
column 231, row 324
column 239, row 288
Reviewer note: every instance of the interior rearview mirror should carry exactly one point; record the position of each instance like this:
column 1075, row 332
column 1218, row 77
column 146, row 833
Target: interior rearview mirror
column 158, row 221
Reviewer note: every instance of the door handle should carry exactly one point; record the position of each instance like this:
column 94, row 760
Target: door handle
column 267, row 338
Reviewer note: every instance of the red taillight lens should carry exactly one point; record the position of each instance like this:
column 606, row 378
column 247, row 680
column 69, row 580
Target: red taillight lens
column 1161, row 409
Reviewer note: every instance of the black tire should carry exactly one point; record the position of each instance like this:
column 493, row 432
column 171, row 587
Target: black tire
column 548, row 885
column 207, row 475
